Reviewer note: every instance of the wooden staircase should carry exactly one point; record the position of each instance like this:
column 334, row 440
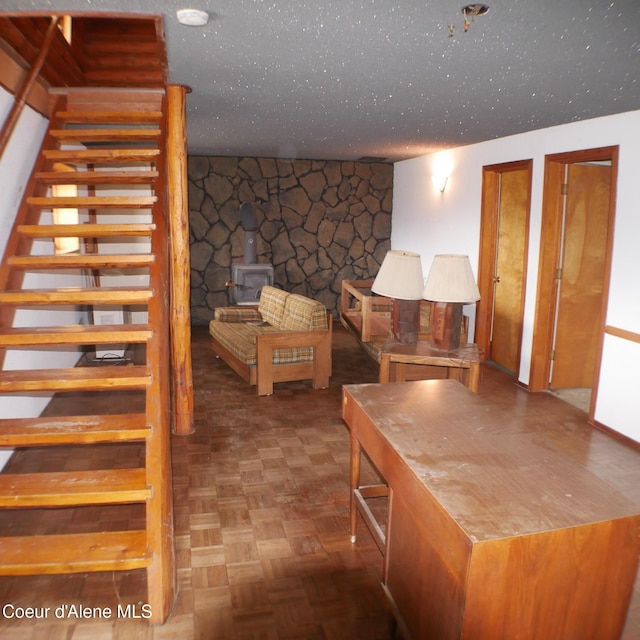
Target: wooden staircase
column 110, row 145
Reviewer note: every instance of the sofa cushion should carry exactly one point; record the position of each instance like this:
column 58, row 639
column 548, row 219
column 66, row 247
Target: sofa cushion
column 303, row 314
column 237, row 314
column 271, row 305
column 240, row 340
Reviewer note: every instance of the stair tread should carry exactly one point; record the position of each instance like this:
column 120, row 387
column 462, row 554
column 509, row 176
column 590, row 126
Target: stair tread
column 94, row 202
column 100, row 135
column 73, row 488
column 85, row 230
column 75, row 334
column 74, row 553
column 101, row 155
column 82, row 260
column 115, row 117
column 97, row 177
column 41, row 431
column 74, row 379
column 78, row 295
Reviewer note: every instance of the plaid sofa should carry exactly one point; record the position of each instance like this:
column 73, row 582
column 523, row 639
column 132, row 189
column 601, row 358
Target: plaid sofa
column 287, row 337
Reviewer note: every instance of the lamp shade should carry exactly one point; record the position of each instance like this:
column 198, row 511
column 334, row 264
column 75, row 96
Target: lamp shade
column 451, row 280
column 400, row 276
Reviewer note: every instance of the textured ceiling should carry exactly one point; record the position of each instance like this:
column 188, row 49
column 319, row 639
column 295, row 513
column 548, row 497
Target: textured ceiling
column 388, row 79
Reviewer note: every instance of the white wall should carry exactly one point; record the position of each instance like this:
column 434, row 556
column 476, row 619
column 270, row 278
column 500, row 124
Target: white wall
column 15, row 168
column 16, row 162
column 429, row 222
column 128, row 245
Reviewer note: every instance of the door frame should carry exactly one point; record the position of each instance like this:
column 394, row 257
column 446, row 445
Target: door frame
column 550, row 246
column 488, row 249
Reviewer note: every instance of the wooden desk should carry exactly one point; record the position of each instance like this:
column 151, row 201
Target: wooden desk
column 500, row 524
column 463, row 364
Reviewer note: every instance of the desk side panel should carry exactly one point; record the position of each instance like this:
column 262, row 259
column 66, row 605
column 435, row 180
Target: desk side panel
column 426, row 568
column 567, row 584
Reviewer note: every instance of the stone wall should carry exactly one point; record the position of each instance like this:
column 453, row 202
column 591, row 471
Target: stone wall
column 319, row 222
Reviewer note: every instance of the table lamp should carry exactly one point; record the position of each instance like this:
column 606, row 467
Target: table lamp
column 450, row 284
column 400, row 278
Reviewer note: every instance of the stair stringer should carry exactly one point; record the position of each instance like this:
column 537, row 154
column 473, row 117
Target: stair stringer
column 161, row 574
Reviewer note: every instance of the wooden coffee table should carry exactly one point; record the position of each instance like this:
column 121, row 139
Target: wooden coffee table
column 463, row 364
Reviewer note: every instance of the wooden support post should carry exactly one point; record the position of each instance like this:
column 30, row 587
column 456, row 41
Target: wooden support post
column 181, row 379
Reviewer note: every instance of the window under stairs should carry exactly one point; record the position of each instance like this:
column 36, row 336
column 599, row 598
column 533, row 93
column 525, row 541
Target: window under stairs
column 103, row 164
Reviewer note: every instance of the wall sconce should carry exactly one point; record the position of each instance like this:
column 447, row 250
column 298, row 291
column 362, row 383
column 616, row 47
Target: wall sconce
column 400, row 278
column 450, row 284
column 440, row 182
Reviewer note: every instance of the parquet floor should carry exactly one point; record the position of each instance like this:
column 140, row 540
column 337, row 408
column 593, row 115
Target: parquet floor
column 261, row 519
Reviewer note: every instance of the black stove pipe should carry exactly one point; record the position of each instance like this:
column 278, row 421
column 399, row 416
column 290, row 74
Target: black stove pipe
column 249, row 221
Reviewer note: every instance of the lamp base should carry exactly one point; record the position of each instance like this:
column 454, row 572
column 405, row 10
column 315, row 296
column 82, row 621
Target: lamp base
column 405, row 320
column 446, row 319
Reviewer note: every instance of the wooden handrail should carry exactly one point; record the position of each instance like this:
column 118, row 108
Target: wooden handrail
column 622, row 333
column 23, row 94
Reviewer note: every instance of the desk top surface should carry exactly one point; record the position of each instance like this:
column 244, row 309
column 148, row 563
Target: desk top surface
column 500, row 468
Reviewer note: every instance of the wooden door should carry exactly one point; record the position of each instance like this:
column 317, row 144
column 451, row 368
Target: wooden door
column 581, row 274
column 503, row 257
column 509, row 269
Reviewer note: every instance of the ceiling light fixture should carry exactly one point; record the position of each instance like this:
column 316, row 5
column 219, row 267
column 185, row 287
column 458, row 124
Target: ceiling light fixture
column 192, row 17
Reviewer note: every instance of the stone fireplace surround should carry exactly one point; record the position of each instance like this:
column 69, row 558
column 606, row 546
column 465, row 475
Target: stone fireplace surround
column 319, row 222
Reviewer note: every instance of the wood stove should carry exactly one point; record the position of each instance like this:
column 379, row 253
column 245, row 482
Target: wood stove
column 248, row 277
column 247, row 282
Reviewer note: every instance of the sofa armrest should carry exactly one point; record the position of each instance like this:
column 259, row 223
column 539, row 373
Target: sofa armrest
column 237, row 314
column 266, row 344
column 367, row 315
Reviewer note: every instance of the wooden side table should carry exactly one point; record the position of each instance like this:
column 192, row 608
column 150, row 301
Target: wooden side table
column 463, row 364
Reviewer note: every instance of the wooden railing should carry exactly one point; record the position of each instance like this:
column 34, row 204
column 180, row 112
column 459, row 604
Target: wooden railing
column 22, row 95
column 622, row 333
